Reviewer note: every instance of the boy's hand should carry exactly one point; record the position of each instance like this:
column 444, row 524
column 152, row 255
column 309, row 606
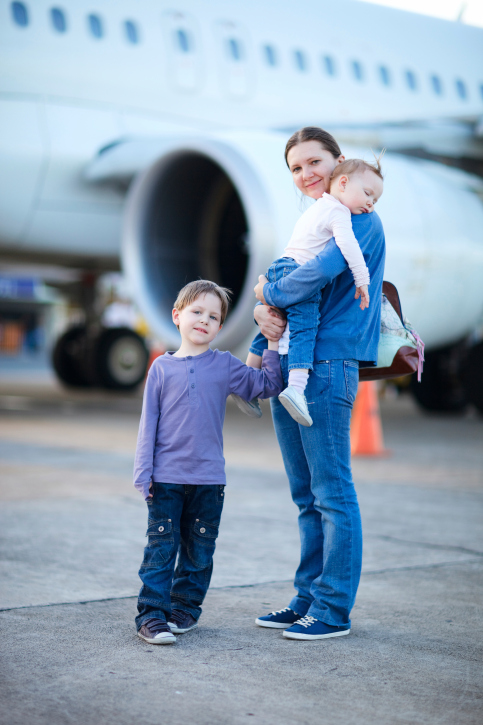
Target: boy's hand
column 262, row 281
column 363, row 293
column 150, row 494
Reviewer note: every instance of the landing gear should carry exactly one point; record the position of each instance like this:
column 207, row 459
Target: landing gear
column 114, row 358
column 441, row 388
column 473, row 377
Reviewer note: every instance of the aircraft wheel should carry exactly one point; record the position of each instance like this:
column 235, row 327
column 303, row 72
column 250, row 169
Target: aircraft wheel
column 441, row 389
column 67, row 357
column 473, row 377
column 121, row 358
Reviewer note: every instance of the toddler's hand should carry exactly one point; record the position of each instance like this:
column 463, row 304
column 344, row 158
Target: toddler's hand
column 262, row 281
column 363, row 293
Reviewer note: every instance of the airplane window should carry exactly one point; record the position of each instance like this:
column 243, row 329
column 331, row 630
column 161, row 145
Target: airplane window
column 95, row 26
column 461, row 89
column 234, row 49
column 270, row 54
column 411, row 80
column 183, row 40
column 329, row 65
column 20, row 14
column 300, row 60
column 357, row 70
column 437, row 85
column 131, row 30
column 58, row 20
column 384, row 75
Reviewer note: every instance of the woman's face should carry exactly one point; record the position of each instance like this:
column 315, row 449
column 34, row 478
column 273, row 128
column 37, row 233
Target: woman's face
column 311, row 166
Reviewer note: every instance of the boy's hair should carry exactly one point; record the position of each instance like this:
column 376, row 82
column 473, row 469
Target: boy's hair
column 199, row 287
column 357, row 166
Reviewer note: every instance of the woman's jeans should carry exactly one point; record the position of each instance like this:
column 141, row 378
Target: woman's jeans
column 318, row 465
column 183, row 520
column 303, row 320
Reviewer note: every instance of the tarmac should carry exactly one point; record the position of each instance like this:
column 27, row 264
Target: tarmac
column 72, row 535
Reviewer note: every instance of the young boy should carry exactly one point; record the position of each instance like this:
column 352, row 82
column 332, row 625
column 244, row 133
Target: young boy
column 179, row 464
column 355, row 186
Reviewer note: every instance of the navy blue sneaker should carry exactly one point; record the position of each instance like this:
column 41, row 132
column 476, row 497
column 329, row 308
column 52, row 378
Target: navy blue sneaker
column 278, row 620
column 310, row 628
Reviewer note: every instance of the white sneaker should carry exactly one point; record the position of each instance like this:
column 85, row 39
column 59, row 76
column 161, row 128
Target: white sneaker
column 249, row 407
column 296, row 405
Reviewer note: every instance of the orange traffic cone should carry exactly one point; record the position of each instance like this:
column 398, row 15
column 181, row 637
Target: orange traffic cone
column 366, row 428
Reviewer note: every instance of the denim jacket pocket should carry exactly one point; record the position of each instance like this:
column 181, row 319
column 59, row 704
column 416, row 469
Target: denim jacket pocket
column 351, row 375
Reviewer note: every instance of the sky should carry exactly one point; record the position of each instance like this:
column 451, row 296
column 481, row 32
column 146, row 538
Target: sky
column 470, row 11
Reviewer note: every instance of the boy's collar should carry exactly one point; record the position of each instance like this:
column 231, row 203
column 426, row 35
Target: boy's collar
column 170, row 356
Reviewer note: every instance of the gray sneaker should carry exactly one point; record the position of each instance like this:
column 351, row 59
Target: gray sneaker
column 296, row 405
column 155, row 631
column 181, row 622
column 249, row 407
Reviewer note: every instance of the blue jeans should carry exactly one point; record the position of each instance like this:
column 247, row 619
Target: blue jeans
column 318, row 465
column 303, row 319
column 183, row 521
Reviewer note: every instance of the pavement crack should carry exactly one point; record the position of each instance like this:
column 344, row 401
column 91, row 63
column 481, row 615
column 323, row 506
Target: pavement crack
column 426, row 545
column 418, row 566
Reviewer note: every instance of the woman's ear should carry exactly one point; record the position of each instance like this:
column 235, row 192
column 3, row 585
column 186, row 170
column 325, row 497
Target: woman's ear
column 340, row 159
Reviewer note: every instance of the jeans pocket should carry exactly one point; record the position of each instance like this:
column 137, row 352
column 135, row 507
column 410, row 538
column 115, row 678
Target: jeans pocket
column 160, row 542
column 201, row 545
column 322, row 373
column 351, row 375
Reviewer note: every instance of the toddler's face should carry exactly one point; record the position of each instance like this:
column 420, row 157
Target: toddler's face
column 359, row 192
column 200, row 322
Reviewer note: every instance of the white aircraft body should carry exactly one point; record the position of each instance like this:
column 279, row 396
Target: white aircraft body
column 155, row 135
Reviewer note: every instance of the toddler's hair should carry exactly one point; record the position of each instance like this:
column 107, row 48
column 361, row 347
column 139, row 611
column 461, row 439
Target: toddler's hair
column 199, row 287
column 357, row 166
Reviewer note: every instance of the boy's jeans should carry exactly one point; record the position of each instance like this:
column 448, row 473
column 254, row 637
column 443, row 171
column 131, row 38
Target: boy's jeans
column 318, row 464
column 303, row 319
column 183, row 520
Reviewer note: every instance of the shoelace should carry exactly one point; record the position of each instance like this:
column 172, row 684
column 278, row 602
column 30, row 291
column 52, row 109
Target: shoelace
column 281, row 611
column 306, row 621
column 156, row 626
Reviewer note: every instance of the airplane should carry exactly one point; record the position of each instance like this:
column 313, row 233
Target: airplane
column 150, row 138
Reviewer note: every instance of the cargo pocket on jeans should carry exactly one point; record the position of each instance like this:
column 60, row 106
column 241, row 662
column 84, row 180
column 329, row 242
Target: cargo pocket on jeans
column 201, row 545
column 160, row 542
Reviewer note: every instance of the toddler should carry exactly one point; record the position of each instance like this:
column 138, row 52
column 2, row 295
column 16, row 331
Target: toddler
column 179, row 464
column 355, row 186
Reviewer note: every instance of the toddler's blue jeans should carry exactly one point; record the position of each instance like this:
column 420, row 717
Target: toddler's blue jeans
column 183, row 522
column 303, row 319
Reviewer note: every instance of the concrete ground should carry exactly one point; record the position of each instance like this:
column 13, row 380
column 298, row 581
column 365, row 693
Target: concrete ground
column 72, row 533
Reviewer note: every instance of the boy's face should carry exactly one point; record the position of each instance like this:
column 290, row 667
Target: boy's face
column 359, row 192
column 200, row 322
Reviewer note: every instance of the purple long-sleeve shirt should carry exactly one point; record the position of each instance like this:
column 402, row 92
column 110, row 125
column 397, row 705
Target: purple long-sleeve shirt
column 180, row 436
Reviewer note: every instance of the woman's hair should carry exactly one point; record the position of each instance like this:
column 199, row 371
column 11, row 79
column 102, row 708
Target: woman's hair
column 314, row 133
column 199, row 287
column 357, row 166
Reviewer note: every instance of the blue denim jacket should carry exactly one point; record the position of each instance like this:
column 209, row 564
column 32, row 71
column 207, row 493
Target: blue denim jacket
column 345, row 331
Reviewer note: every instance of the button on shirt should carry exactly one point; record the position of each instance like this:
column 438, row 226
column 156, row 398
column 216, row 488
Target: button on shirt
column 180, row 434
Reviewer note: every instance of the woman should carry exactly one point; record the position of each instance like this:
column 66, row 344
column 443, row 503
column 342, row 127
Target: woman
column 317, row 458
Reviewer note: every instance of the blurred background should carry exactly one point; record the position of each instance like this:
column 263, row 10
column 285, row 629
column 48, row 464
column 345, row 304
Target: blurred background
column 142, row 146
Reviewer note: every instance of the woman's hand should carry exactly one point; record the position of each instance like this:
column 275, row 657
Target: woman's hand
column 262, row 281
column 270, row 322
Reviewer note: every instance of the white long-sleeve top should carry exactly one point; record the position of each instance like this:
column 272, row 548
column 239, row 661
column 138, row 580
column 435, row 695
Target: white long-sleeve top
column 325, row 219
